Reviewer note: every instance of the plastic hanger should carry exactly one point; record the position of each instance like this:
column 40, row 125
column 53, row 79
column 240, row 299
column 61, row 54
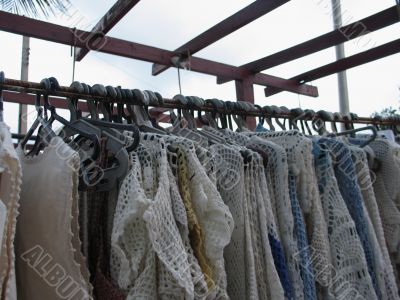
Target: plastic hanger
column 353, row 131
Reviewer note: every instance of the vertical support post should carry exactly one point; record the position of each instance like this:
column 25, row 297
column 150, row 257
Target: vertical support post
column 23, row 109
column 340, row 54
column 245, row 92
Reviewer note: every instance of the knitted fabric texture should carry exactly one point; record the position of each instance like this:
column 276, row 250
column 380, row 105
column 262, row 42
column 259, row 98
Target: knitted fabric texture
column 196, row 233
column 304, row 255
column 276, row 172
column 301, row 165
column 230, row 182
column 347, row 180
column 146, row 240
column 386, row 190
column 384, row 269
column 213, row 215
column 179, row 210
column 348, row 259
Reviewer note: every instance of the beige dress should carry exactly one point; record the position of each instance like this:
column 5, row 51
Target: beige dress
column 49, row 265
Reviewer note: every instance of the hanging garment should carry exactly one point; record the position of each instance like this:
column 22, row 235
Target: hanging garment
column 213, row 216
column 196, row 233
column 268, row 152
column 10, row 184
column 179, row 210
column 301, row 166
column 237, row 182
column 386, row 191
column 347, row 180
column 351, row 277
column 145, row 238
column 385, row 275
column 238, row 255
column 46, row 265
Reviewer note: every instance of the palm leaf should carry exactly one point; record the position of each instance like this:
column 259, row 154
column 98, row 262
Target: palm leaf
column 35, row 7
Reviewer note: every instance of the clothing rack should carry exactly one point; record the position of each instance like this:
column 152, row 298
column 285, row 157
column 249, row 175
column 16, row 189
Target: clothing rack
column 28, row 89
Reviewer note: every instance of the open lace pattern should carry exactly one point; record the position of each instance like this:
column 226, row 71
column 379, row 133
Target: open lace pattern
column 348, row 258
column 385, row 274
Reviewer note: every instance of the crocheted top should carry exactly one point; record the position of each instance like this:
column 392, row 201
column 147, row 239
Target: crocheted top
column 213, row 215
column 196, row 233
column 145, row 239
column 260, row 178
column 301, row 165
column 304, row 254
column 348, row 259
column 386, row 190
column 385, row 275
column 347, row 180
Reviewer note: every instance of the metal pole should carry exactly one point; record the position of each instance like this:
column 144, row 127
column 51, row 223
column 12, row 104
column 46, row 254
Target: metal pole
column 340, row 54
column 23, row 109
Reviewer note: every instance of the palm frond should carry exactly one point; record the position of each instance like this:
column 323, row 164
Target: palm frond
column 34, row 8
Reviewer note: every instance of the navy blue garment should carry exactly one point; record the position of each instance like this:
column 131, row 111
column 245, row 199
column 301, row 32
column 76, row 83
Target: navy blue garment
column 281, row 266
column 306, row 269
column 346, row 177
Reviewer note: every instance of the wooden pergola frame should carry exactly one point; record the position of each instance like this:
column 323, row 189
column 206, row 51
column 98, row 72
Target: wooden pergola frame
column 245, row 76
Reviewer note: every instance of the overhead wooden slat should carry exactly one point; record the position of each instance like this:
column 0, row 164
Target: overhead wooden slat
column 68, row 36
column 357, row 29
column 243, row 17
column 106, row 23
column 344, row 64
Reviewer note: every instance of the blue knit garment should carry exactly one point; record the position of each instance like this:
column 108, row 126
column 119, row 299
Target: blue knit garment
column 346, row 177
column 261, row 128
column 281, row 266
column 306, row 269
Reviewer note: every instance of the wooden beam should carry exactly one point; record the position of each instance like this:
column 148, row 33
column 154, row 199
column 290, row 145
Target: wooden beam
column 243, row 17
column 106, row 23
column 349, row 32
column 344, row 64
column 69, row 36
column 245, row 92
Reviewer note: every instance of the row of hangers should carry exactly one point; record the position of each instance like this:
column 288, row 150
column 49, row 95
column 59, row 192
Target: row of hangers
column 110, row 119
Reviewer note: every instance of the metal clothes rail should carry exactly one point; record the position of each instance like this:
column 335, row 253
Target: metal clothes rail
column 18, row 91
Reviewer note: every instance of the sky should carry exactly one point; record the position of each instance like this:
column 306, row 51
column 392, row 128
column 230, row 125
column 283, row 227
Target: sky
column 169, row 24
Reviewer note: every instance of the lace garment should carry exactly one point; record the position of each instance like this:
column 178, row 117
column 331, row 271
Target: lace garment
column 213, row 215
column 386, row 191
column 351, row 277
column 347, row 180
column 196, row 233
column 301, row 165
column 386, row 278
column 268, row 151
column 146, row 240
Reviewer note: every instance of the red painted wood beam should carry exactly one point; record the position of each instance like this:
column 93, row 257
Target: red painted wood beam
column 69, row 36
column 349, row 32
column 345, row 64
column 245, row 92
column 243, row 17
column 106, row 23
